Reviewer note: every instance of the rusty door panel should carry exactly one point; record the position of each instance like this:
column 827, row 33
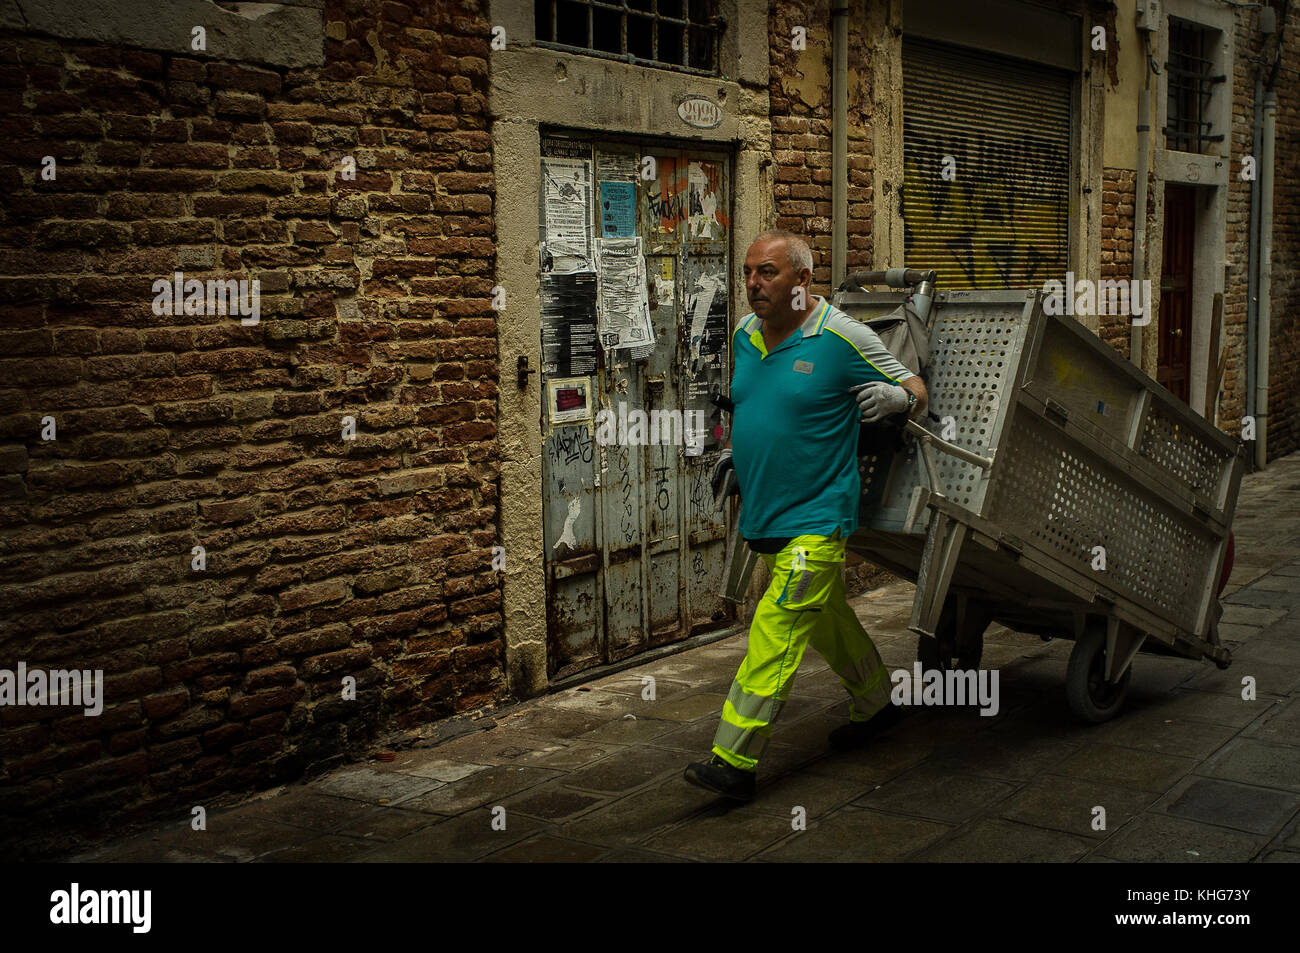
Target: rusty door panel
column 634, row 549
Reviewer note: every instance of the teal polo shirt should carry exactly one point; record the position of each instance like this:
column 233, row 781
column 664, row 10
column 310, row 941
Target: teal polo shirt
column 794, row 433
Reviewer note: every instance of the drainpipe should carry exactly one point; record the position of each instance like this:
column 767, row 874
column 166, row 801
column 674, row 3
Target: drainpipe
column 1252, row 277
column 839, row 141
column 1140, row 213
column 1265, row 277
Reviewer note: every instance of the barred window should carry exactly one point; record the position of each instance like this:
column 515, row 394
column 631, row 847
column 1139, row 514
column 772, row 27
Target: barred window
column 682, row 34
column 1190, row 70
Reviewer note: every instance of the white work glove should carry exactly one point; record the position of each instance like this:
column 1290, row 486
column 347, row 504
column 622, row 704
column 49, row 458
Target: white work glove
column 878, row 400
column 724, row 480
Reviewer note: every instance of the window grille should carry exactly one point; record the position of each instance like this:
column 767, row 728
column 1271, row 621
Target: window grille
column 682, row 34
column 1191, row 83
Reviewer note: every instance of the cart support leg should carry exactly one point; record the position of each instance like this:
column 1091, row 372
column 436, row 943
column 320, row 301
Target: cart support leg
column 1122, row 644
column 943, row 542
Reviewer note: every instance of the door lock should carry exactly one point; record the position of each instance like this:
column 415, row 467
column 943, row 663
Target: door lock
column 524, row 371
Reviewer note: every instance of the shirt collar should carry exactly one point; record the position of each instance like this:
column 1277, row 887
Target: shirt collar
column 811, row 327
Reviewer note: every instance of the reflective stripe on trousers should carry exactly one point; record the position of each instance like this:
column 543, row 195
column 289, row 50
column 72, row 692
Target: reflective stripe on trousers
column 804, row 605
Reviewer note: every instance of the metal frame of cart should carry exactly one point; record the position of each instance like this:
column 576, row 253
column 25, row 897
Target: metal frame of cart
column 1062, row 457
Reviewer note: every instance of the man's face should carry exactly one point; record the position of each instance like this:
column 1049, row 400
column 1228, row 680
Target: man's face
column 770, row 281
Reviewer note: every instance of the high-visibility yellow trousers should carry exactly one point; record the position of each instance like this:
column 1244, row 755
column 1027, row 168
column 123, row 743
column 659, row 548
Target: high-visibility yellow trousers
column 804, row 605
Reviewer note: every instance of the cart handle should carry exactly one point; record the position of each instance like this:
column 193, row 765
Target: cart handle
column 961, row 453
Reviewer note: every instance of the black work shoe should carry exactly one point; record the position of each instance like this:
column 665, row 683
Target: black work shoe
column 721, row 778
column 858, row 733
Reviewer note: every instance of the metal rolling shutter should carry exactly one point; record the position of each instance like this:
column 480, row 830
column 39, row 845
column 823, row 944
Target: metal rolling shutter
column 1002, row 221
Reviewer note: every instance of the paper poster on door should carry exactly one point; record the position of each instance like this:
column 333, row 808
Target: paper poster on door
column 622, row 299
column 566, row 221
column 617, row 209
column 568, row 400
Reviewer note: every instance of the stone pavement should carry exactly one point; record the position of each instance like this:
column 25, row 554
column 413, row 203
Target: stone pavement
column 1189, row 771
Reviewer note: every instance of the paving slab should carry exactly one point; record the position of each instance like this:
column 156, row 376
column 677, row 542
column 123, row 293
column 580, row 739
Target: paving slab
column 1126, row 767
column 856, row 835
column 601, row 704
column 459, row 839
column 637, row 855
column 730, row 834
column 551, row 722
column 1157, row 838
column 490, row 785
column 934, row 795
column 325, row 849
column 1213, row 707
column 626, row 770
column 1003, row 841
column 1256, row 762
column 634, row 818
column 568, row 754
column 1275, row 645
column 1235, row 612
column 1243, row 807
column 166, row 847
column 375, row 787
column 492, row 745
column 244, row 838
column 428, row 763
column 818, row 795
column 629, row 730
column 629, row 683
column 1154, row 730
column 547, row 849
column 694, row 738
column 1276, row 581
column 1282, row 857
column 553, row 802
column 688, row 707
column 876, row 763
column 1255, row 595
column 309, row 808
column 1280, row 724
column 1000, row 757
column 1270, row 679
column 385, row 824
column 1069, row 805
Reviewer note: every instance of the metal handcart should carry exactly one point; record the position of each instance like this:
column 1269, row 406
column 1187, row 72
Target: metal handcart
column 1073, row 497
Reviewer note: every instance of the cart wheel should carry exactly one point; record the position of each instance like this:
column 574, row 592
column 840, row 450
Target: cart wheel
column 1091, row 697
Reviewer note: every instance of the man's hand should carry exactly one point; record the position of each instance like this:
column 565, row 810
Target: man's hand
column 878, row 400
column 724, row 480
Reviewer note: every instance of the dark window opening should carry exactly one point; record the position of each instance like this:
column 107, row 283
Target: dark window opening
column 682, row 34
column 1191, row 83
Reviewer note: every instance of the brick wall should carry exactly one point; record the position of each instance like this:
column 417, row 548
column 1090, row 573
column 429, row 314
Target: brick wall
column 1284, row 351
column 1118, row 194
column 801, row 133
column 325, row 557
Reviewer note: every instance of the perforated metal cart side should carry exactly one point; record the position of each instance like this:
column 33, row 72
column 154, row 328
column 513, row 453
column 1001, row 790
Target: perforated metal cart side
column 1103, row 512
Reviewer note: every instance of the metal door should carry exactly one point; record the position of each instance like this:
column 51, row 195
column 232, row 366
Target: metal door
column 633, row 546
column 1174, row 360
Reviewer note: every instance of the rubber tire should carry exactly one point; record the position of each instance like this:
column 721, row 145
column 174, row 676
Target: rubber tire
column 1084, row 680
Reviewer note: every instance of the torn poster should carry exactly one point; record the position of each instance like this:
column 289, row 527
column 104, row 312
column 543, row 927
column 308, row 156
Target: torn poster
column 623, row 166
column 622, row 302
column 569, row 324
column 706, row 308
column 617, row 209
column 566, row 228
column 704, row 184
